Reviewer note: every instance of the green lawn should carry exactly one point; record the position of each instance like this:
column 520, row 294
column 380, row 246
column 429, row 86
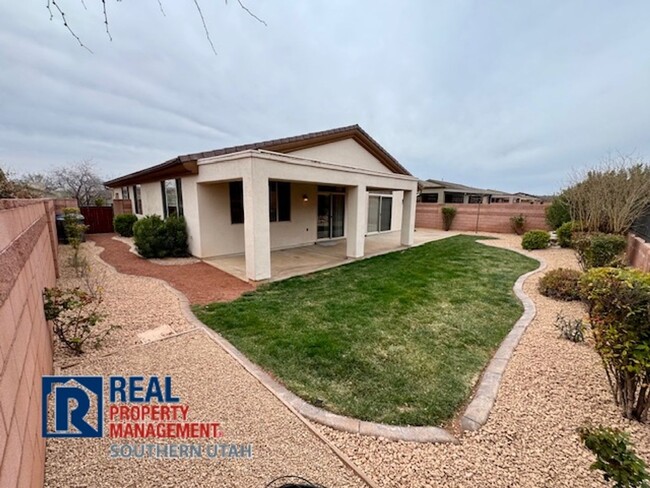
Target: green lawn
column 399, row 338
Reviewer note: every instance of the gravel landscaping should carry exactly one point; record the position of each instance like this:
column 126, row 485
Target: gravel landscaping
column 551, row 387
column 208, row 380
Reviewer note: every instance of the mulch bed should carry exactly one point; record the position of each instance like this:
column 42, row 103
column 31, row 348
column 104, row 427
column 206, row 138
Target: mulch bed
column 199, row 282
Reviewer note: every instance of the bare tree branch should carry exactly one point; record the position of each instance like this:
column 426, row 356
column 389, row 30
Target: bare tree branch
column 65, row 22
column 251, row 13
column 205, row 27
column 106, row 21
column 162, row 10
column 84, row 4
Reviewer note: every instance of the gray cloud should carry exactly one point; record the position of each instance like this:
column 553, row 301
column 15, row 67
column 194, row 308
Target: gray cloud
column 500, row 95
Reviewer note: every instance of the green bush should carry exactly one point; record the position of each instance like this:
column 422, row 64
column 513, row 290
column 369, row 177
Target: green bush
column 150, row 237
column 535, row 239
column 157, row 238
column 615, row 457
column 557, row 213
column 561, row 283
column 618, row 302
column 176, row 231
column 518, row 222
column 599, row 250
column 448, row 214
column 123, row 224
column 564, row 234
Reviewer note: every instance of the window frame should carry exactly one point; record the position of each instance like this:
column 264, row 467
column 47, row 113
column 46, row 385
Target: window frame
column 179, row 197
column 137, row 199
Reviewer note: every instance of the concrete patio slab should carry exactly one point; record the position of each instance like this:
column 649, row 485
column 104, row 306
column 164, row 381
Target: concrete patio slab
column 286, row 263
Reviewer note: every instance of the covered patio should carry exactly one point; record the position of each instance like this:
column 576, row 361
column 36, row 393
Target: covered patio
column 286, row 263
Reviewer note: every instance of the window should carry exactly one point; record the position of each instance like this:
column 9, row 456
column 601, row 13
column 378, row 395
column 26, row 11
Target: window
column 454, row 197
column 236, row 202
column 429, row 198
column 475, row 199
column 172, row 196
column 137, row 197
column 125, row 193
column 279, row 201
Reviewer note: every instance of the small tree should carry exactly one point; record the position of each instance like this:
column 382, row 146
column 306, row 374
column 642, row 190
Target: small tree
column 618, row 301
column 612, row 196
column 74, row 233
column 79, row 180
column 557, row 213
column 448, row 214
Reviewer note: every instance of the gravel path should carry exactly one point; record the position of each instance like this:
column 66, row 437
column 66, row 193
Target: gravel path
column 208, row 380
column 199, row 282
column 550, row 388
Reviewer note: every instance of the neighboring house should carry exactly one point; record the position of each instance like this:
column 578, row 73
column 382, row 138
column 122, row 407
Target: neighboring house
column 278, row 194
column 439, row 191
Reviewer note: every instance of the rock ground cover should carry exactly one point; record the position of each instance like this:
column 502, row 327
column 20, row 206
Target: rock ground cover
column 216, row 388
column 551, row 387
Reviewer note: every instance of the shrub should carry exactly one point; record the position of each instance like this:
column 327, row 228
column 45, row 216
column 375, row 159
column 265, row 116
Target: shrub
column 535, row 239
column 176, row 231
column 561, row 283
column 615, row 457
column 599, row 250
column 571, row 329
column 123, row 224
column 150, row 237
column 618, row 301
column 74, row 314
column 448, row 214
column 564, row 234
column 157, row 238
column 518, row 222
column 74, row 233
column 557, row 213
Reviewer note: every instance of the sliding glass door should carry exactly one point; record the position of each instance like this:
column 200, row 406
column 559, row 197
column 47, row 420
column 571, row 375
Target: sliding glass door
column 380, row 210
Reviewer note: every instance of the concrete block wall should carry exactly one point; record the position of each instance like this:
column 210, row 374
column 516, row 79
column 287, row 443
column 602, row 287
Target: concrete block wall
column 494, row 217
column 28, row 264
column 638, row 252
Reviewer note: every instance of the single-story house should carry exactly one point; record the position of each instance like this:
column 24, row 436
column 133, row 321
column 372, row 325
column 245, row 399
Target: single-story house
column 277, row 194
column 439, row 191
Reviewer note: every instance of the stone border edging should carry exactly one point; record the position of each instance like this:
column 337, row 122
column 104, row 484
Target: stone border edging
column 475, row 416
column 477, row 412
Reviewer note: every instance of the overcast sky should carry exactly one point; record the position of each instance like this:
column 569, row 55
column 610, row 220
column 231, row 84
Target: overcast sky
column 508, row 95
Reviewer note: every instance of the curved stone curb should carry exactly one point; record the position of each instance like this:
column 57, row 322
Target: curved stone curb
column 477, row 412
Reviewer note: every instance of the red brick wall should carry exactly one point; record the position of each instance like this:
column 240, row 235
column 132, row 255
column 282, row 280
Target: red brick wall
column 638, row 252
column 27, row 260
column 494, row 217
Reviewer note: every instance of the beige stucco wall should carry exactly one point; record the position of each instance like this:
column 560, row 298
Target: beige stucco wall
column 218, row 236
column 302, row 227
column 191, row 212
column 346, row 152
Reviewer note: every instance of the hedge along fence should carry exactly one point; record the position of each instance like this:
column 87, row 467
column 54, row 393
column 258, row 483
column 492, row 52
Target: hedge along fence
column 493, row 217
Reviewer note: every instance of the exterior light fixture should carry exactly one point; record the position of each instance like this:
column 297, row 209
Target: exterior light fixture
column 305, row 198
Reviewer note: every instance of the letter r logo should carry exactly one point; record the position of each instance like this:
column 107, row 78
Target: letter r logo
column 72, row 406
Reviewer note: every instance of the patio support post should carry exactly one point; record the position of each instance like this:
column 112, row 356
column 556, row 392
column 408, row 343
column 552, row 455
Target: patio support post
column 408, row 218
column 357, row 220
column 257, row 231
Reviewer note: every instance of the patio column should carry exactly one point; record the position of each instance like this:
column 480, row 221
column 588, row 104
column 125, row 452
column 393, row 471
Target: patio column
column 257, row 231
column 408, row 218
column 357, row 220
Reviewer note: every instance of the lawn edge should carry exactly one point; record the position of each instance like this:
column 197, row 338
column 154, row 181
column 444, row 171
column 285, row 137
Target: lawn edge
column 478, row 411
column 474, row 417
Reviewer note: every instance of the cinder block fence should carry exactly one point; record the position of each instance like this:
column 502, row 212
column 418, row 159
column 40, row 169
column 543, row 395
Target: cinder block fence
column 28, row 249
